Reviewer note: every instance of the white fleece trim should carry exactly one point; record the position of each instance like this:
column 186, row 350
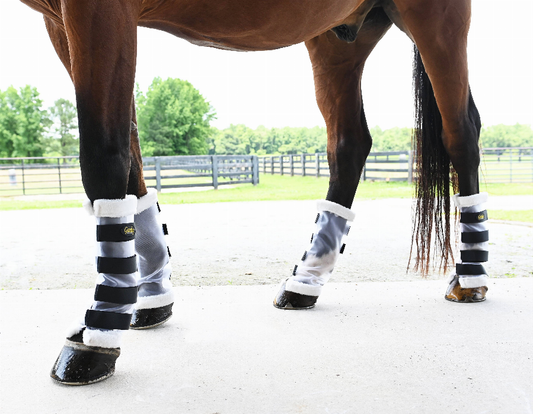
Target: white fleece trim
column 473, row 281
column 75, row 328
column 147, row 201
column 156, row 301
column 471, row 200
column 337, row 209
column 302, row 288
column 102, row 339
column 115, row 208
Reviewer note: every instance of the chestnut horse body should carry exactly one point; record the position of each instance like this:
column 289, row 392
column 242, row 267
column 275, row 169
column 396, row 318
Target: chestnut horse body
column 96, row 41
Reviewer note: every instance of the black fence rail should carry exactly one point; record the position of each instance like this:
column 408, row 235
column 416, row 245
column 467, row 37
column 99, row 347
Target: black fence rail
column 61, row 175
column 386, row 166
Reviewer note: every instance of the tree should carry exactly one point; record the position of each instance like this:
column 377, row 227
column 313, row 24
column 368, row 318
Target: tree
column 22, row 123
column 63, row 140
column 173, row 119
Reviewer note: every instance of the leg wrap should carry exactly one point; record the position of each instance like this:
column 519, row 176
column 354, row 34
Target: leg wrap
column 474, row 240
column 116, row 263
column 155, row 288
column 326, row 245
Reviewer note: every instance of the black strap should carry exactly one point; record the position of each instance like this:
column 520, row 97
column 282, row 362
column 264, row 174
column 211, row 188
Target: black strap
column 312, row 237
column 348, row 230
column 115, row 232
column 342, row 248
column 124, row 295
column 165, row 229
column 469, row 269
column 116, row 265
column 475, row 237
column 294, row 270
column 470, row 218
column 168, row 250
column 474, row 255
column 107, row 320
column 317, row 217
column 158, row 208
column 304, row 256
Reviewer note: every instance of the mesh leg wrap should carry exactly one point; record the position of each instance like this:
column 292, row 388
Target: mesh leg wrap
column 116, row 283
column 474, row 240
column 326, row 245
column 155, row 288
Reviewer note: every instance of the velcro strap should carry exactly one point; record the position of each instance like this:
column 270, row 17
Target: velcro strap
column 469, row 269
column 470, row 218
column 168, row 250
column 107, row 320
column 342, row 248
column 121, row 295
column 115, row 232
column 304, row 256
column 165, row 229
column 474, row 255
column 294, row 270
column 158, row 208
column 317, row 217
column 116, row 265
column 475, row 237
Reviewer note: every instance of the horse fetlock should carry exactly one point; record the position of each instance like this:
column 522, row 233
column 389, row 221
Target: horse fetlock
column 319, row 260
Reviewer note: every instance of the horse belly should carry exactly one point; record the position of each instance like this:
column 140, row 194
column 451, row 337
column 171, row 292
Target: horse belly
column 248, row 25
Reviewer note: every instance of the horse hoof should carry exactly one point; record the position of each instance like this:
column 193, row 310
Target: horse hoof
column 458, row 294
column 150, row 318
column 79, row 364
column 293, row 301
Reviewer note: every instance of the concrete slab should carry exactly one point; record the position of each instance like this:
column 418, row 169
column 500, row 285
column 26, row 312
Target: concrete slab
column 370, row 347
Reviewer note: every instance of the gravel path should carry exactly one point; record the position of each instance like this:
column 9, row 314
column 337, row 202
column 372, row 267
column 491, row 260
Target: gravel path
column 246, row 243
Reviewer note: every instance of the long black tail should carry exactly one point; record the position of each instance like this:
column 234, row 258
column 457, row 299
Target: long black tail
column 432, row 212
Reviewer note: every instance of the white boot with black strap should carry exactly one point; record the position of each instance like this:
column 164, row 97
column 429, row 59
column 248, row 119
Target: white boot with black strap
column 93, row 345
column 301, row 290
column 156, row 296
column 469, row 283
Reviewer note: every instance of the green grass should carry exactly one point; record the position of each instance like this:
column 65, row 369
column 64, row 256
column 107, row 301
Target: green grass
column 275, row 187
column 525, row 216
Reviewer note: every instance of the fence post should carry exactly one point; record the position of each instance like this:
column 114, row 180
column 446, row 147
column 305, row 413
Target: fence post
column 281, row 164
column 158, row 174
column 303, row 165
column 511, row 165
column 23, row 179
column 291, row 162
column 272, row 165
column 317, row 162
column 410, row 167
column 255, row 170
column 264, row 165
column 59, row 174
column 214, row 169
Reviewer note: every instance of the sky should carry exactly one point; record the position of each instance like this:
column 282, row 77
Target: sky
column 275, row 88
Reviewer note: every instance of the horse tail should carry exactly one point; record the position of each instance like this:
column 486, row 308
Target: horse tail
column 432, row 211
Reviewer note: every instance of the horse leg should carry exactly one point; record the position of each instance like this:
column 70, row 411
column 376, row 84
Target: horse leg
column 337, row 68
column 440, row 33
column 155, row 295
column 100, row 58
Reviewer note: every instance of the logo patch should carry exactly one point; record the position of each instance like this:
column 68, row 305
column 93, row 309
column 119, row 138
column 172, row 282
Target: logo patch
column 128, row 230
column 481, row 216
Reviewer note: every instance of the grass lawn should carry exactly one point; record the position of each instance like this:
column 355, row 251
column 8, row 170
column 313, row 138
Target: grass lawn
column 276, row 187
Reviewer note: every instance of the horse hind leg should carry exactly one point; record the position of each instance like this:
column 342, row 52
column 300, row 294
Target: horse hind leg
column 441, row 39
column 337, row 67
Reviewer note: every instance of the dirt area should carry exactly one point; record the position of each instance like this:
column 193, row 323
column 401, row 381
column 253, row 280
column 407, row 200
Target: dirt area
column 246, row 243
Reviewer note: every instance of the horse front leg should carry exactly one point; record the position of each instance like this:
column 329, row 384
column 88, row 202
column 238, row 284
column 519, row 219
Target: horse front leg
column 155, row 294
column 337, row 68
column 100, row 59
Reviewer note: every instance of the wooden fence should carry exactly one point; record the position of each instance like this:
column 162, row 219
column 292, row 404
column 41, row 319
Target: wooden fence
column 61, row 175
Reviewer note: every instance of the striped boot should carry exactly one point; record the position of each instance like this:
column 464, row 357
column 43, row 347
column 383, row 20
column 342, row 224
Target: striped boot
column 156, row 297
column 469, row 283
column 93, row 345
column 301, row 290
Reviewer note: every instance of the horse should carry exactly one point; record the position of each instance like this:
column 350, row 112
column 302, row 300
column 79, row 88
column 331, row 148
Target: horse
column 96, row 42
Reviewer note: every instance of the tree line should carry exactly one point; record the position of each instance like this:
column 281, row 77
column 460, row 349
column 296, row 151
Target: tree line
column 175, row 119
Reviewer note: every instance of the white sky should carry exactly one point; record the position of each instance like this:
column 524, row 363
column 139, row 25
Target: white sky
column 276, row 89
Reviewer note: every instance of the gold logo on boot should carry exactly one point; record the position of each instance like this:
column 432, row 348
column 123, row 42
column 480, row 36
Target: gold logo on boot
column 129, row 230
column 481, row 216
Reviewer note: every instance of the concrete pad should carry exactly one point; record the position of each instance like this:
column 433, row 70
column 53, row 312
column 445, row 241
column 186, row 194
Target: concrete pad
column 370, row 347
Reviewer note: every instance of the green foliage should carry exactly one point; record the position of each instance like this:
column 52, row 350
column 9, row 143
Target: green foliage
column 518, row 135
column 22, row 123
column 61, row 140
column 173, row 119
column 393, row 139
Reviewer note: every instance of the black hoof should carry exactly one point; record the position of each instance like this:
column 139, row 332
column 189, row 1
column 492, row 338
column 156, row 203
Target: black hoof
column 150, row 318
column 79, row 364
column 293, row 301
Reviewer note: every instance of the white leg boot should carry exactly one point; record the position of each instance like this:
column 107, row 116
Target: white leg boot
column 301, row 290
column 93, row 345
column 156, row 296
column 469, row 283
